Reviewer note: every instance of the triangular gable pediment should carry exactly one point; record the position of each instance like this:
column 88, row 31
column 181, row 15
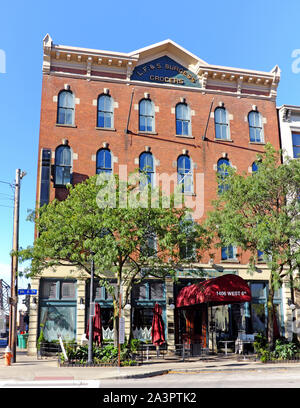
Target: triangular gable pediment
column 165, row 70
column 173, row 50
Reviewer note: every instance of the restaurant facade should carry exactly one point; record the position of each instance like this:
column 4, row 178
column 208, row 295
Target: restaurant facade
column 165, row 107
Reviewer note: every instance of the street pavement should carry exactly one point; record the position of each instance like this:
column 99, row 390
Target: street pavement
column 29, row 369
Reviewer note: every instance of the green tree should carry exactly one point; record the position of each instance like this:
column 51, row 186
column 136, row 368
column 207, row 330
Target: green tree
column 260, row 212
column 126, row 230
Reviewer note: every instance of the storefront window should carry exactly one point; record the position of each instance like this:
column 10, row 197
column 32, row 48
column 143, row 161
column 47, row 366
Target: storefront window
column 104, row 297
column 221, row 319
column 258, row 314
column 58, row 320
column 144, row 297
column 58, row 309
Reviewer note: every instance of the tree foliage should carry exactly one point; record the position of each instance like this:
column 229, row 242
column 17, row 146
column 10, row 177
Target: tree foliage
column 260, row 212
column 127, row 243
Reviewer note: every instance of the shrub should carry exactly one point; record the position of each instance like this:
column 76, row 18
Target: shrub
column 41, row 339
column 105, row 354
column 284, row 350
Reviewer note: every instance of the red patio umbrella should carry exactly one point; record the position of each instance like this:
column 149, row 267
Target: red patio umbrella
column 158, row 332
column 97, row 326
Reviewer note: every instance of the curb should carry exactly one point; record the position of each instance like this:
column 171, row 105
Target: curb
column 136, row 376
column 194, row 371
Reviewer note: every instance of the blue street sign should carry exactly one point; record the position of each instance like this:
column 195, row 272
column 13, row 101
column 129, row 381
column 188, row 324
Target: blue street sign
column 27, row 291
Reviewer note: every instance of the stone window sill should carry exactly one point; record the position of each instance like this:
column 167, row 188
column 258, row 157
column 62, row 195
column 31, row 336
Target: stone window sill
column 103, row 128
column 257, row 143
column 142, row 132
column 223, row 140
column 186, row 136
column 63, row 125
column 230, row 261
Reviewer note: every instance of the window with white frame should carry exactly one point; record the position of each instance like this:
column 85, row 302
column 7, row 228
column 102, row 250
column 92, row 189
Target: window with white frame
column 221, row 124
column 105, row 112
column 146, row 116
column 183, row 119
column 63, row 165
column 184, row 173
column 66, row 108
column 146, row 167
column 103, row 161
column 222, row 169
column 228, row 253
column 296, row 145
column 255, row 127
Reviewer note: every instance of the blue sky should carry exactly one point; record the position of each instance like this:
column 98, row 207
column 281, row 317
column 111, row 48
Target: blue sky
column 247, row 34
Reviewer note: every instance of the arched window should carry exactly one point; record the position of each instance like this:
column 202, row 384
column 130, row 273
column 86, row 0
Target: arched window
column 255, row 127
column 149, row 246
column 65, row 108
column 187, row 249
column 103, row 161
column 228, row 252
column 105, row 112
column 146, row 116
column 183, row 119
column 146, row 166
column 221, row 124
column 184, row 173
column 63, row 165
column 222, row 168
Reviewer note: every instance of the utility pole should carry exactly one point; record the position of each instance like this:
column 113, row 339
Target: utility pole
column 14, row 269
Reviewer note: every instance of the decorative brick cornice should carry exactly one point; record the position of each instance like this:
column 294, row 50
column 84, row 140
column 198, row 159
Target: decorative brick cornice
column 102, row 65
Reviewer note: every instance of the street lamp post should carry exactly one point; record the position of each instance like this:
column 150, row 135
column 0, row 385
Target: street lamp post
column 91, row 312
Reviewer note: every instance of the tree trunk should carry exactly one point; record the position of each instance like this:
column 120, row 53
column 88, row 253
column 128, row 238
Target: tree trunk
column 271, row 313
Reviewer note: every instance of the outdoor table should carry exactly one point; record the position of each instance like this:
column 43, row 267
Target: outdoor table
column 226, row 342
column 243, row 344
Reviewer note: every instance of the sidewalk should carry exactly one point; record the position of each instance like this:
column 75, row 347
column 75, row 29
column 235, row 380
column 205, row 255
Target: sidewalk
column 28, row 368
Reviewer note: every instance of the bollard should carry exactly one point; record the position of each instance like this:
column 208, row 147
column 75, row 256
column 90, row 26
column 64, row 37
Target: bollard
column 7, row 356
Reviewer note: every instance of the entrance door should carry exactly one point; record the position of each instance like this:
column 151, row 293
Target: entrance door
column 192, row 326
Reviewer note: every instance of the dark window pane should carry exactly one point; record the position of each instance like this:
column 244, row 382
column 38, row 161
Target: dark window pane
column 296, row 152
column 258, row 317
column 156, row 290
column 140, row 292
column 48, row 289
column 142, row 318
column 100, row 119
column 45, row 176
column 68, row 290
column 258, row 290
column 107, row 320
column 178, row 127
column 296, row 139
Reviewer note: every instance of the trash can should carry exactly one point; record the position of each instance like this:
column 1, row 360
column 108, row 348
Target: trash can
column 22, row 341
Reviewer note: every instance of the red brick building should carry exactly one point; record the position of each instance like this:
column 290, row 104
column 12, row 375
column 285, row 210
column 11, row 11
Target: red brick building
column 102, row 109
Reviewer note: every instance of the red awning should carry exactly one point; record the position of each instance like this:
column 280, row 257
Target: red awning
column 224, row 290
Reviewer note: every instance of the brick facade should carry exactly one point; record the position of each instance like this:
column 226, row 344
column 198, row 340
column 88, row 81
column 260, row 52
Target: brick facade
column 87, row 73
column 85, row 139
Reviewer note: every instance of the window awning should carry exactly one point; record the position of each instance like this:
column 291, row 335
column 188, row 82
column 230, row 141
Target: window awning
column 224, row 290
